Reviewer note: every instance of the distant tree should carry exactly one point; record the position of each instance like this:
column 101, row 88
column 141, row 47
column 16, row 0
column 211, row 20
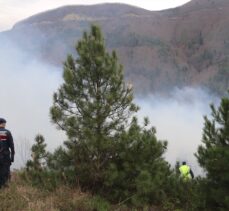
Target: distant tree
column 36, row 169
column 39, row 155
column 213, row 156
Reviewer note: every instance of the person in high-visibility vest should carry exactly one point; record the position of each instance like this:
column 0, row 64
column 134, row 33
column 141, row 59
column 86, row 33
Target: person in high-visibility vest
column 186, row 172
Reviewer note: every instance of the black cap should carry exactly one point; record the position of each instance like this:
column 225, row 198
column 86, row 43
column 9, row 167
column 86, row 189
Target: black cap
column 2, row 120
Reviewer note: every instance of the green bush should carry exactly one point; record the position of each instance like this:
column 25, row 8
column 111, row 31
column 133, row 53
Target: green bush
column 213, row 156
column 137, row 174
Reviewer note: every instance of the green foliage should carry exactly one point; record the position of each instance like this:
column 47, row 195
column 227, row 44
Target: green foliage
column 36, row 171
column 213, row 156
column 137, row 173
column 98, row 204
column 39, row 155
column 60, row 164
column 93, row 106
column 182, row 195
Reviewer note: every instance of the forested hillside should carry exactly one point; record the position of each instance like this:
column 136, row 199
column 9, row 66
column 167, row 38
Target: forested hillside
column 185, row 46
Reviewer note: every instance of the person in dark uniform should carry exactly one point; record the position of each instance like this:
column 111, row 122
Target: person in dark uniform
column 6, row 153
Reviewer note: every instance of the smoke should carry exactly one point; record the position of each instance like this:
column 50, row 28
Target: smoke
column 27, row 86
column 178, row 118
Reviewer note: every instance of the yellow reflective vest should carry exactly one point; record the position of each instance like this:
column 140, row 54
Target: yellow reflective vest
column 185, row 172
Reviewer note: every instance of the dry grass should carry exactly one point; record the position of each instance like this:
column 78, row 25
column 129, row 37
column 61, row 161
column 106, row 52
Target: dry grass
column 20, row 196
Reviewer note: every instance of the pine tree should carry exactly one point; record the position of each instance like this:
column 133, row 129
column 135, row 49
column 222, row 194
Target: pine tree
column 138, row 173
column 92, row 105
column 213, row 156
column 36, row 168
column 39, row 155
column 106, row 152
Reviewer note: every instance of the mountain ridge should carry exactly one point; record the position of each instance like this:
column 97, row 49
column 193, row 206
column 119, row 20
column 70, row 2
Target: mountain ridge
column 60, row 11
column 184, row 46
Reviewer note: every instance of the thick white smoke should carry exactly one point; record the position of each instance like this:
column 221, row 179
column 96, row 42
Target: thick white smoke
column 26, row 90
column 178, row 118
column 27, row 86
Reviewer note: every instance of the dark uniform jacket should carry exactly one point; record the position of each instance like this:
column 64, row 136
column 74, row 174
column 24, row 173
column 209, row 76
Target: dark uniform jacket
column 6, row 146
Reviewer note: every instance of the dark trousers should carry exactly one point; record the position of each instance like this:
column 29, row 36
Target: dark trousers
column 4, row 172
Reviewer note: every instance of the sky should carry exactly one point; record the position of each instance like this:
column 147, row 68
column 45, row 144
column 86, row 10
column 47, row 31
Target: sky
column 12, row 11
